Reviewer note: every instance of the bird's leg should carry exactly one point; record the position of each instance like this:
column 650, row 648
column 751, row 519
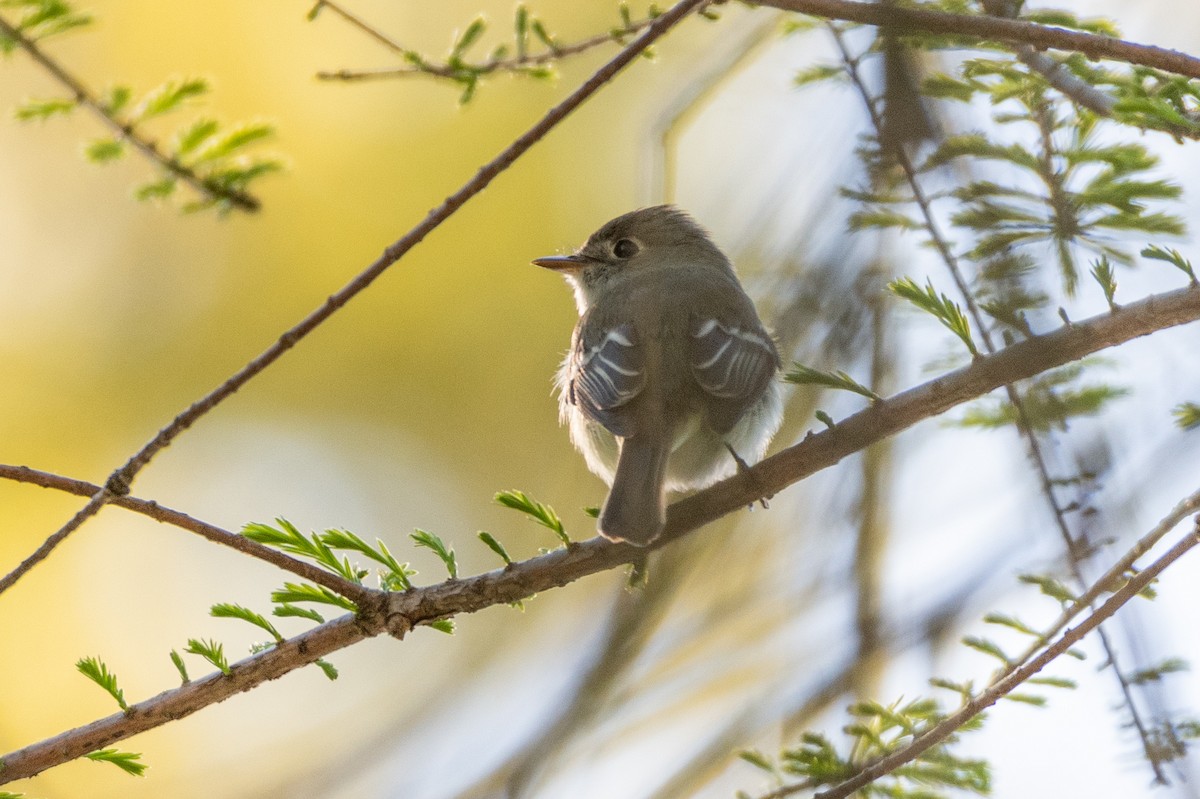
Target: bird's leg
column 744, row 469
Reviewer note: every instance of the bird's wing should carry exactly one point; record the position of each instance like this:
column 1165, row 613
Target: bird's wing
column 606, row 374
column 733, row 364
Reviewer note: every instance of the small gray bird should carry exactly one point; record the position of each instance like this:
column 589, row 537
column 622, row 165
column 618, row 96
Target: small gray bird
column 669, row 381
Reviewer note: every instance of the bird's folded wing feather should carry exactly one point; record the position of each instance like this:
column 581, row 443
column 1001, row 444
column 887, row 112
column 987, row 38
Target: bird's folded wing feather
column 606, row 375
column 733, row 364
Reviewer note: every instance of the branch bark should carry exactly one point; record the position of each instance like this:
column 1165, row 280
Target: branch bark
column 996, row 29
column 399, row 612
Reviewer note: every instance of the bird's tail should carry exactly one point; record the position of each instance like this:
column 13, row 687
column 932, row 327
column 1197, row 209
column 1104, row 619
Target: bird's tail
column 636, row 509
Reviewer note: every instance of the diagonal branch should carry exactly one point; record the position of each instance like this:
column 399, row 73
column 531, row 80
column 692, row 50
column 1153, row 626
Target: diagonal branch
column 1014, row 678
column 119, row 482
column 358, row 594
column 187, row 699
column 405, row 610
column 996, row 29
column 124, row 130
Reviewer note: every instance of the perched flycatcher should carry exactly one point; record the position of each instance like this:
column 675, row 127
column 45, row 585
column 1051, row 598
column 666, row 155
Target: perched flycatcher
column 670, row 371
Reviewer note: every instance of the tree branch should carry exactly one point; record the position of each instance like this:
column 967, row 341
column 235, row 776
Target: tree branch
column 450, row 70
column 125, row 130
column 399, row 612
column 996, row 29
column 119, row 482
column 352, row 591
column 187, row 699
column 1014, row 678
column 1017, row 362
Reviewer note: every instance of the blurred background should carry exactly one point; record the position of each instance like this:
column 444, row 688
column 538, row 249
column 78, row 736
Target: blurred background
column 432, row 390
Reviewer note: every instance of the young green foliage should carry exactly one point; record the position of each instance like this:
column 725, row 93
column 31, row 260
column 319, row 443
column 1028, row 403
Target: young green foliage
column 431, row 542
column 1051, row 587
column 759, row 760
column 43, row 109
column 220, row 172
column 100, row 151
column 1072, row 189
column 542, row 514
column 1157, row 672
column 40, row 19
column 1011, row 622
column 807, row 376
column 328, row 669
column 1048, row 402
column 948, row 312
column 495, row 546
column 285, row 610
column 228, row 610
column 443, row 626
column 876, row 731
column 1102, row 271
column 396, row 574
column 307, row 592
column 1172, row 257
column 97, row 671
column 289, row 539
column 181, row 667
column 129, row 762
column 169, row 96
column 320, row 548
column 210, row 650
column 987, row 647
column 1187, row 415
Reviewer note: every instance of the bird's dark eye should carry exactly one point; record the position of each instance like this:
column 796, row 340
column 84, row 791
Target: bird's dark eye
column 625, row 248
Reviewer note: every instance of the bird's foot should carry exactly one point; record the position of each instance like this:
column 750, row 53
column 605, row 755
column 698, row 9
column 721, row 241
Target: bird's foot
column 745, row 471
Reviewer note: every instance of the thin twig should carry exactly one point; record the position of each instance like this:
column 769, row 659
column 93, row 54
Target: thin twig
column 1118, row 571
column 446, row 70
column 356, row 593
column 124, row 130
column 119, row 482
column 361, row 24
column 407, row 609
column 997, row 29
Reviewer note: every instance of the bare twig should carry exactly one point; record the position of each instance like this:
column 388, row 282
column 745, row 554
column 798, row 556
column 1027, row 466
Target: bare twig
column 996, row 29
column 119, row 482
column 448, row 70
column 359, row 23
column 124, row 130
column 356, row 593
column 405, row 610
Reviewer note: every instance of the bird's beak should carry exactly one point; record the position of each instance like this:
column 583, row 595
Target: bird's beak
column 562, row 263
